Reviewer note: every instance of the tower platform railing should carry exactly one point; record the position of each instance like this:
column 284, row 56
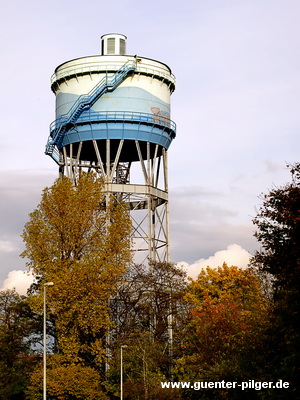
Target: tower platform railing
column 86, row 67
column 121, row 116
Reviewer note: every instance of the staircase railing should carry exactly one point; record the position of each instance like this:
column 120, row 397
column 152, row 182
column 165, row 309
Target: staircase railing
column 85, row 101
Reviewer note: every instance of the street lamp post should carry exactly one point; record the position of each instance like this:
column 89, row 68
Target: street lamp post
column 44, row 337
column 121, row 380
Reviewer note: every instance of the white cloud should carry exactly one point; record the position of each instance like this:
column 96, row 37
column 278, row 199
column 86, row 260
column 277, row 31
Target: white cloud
column 20, row 192
column 18, row 279
column 232, row 255
column 6, row 246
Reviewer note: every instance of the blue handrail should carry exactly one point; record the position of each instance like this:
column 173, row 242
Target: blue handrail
column 121, row 116
column 84, row 102
column 162, row 122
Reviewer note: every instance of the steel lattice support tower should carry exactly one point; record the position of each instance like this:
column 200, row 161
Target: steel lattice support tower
column 113, row 117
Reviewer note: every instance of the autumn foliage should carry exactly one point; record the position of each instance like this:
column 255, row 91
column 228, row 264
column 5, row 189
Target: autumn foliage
column 72, row 381
column 83, row 247
column 227, row 319
column 278, row 231
column 229, row 324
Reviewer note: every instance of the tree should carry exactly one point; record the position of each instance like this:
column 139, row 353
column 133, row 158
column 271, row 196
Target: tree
column 73, row 240
column 70, row 382
column 146, row 312
column 143, row 369
column 278, row 231
column 16, row 358
column 147, row 298
column 223, row 338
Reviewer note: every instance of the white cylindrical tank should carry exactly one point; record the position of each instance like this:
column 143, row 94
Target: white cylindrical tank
column 148, row 90
column 136, row 108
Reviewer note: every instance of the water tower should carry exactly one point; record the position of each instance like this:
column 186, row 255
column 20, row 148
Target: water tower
column 113, row 117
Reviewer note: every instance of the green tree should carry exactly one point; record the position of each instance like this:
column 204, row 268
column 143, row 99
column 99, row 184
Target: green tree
column 278, row 231
column 83, row 247
column 16, row 360
column 144, row 361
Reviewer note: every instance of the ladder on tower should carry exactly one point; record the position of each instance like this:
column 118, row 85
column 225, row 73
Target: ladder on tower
column 84, row 102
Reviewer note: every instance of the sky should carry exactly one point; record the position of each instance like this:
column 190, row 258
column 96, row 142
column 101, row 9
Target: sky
column 236, row 106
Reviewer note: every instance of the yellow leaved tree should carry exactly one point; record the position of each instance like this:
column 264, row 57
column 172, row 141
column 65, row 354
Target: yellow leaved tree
column 83, row 246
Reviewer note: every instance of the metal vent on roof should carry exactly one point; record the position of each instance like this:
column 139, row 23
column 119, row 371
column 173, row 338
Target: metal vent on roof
column 122, row 46
column 111, row 46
